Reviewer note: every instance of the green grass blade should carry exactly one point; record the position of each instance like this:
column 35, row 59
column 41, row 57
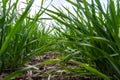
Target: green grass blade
column 15, row 28
column 18, row 72
column 92, row 70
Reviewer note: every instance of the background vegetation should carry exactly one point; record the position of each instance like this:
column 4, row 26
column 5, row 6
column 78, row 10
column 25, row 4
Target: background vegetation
column 88, row 37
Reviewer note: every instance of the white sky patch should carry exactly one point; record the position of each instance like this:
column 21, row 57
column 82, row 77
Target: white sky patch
column 57, row 3
column 37, row 3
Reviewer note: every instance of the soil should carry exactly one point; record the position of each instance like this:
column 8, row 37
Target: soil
column 43, row 72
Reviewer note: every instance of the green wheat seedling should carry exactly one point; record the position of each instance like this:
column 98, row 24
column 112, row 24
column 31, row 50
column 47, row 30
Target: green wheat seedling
column 21, row 36
column 93, row 30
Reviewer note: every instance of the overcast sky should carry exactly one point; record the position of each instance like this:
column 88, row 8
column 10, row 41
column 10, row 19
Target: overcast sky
column 57, row 3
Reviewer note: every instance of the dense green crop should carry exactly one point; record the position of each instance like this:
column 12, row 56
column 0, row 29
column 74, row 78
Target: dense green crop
column 88, row 37
column 93, row 30
column 21, row 37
